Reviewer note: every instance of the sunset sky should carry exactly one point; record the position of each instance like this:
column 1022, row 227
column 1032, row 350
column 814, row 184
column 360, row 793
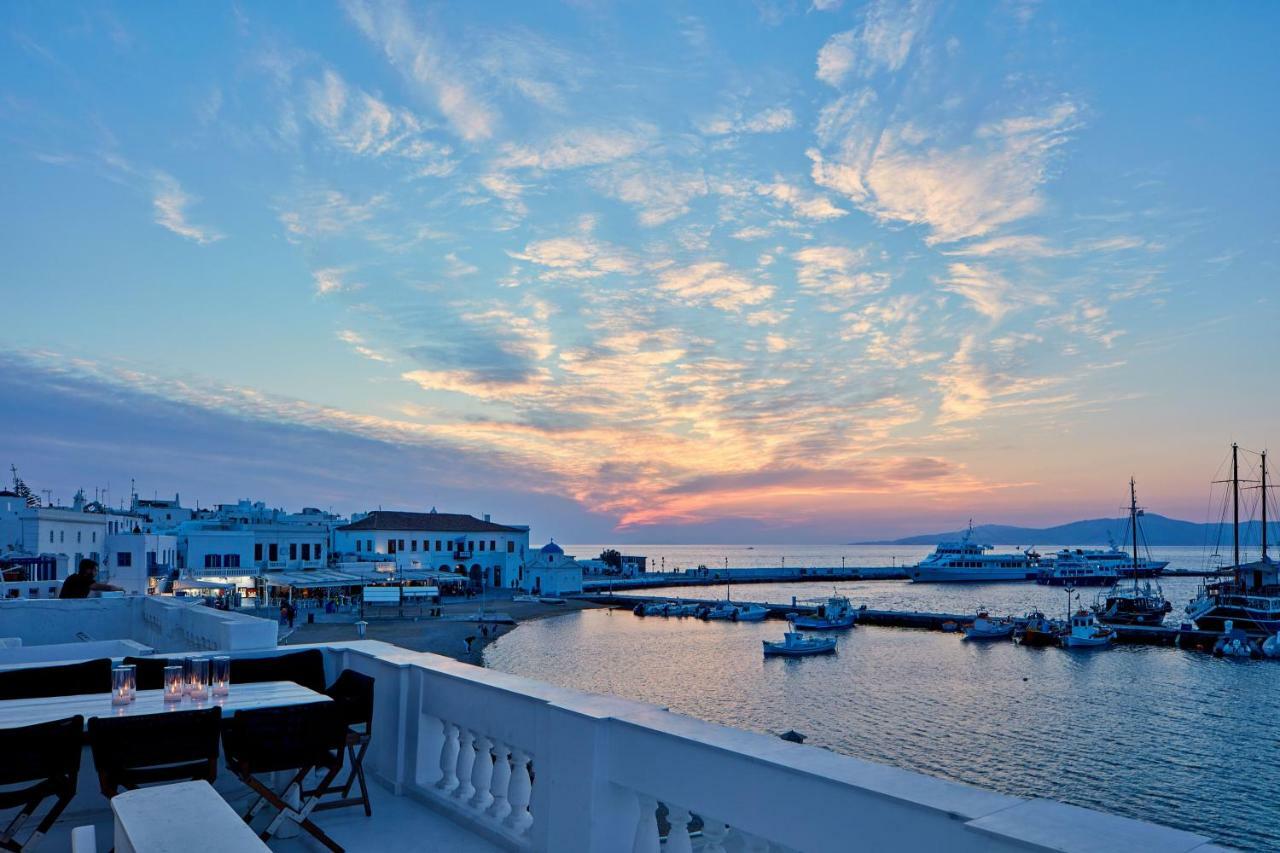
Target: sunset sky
column 771, row 271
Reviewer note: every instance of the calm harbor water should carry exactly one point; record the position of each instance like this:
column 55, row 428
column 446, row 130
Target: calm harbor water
column 1157, row 733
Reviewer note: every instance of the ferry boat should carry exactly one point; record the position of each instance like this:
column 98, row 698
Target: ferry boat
column 1121, row 563
column 835, row 614
column 1245, row 595
column 1070, row 568
column 968, row 561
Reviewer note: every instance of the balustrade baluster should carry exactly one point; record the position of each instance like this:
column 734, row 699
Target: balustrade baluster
column 647, row 840
column 466, row 761
column 678, row 840
column 519, row 793
column 713, row 835
column 501, row 781
column 448, row 758
column 482, row 775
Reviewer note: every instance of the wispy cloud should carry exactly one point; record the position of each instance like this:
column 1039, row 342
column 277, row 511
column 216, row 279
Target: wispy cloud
column 358, row 344
column 713, row 283
column 170, row 202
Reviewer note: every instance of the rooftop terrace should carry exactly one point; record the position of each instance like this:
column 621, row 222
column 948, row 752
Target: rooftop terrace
column 465, row 758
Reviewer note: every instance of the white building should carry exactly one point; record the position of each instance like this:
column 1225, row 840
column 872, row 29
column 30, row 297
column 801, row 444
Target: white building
column 138, row 562
column 449, row 542
column 552, row 572
column 161, row 514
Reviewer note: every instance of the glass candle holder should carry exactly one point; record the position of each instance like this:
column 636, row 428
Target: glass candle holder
column 199, row 683
column 131, row 680
column 119, row 686
column 186, row 676
column 173, row 684
column 220, row 676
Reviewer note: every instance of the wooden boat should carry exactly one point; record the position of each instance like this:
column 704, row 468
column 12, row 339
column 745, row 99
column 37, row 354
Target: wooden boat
column 795, row 644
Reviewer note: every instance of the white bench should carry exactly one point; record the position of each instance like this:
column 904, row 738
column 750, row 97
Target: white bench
column 187, row 817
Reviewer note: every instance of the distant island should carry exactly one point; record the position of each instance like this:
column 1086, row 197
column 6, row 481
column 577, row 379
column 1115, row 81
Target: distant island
column 1156, row 529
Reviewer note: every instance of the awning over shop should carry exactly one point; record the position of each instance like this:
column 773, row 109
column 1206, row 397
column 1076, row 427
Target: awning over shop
column 207, row 583
column 312, row 580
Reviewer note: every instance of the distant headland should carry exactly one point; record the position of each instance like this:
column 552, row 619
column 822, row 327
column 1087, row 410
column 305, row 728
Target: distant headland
column 1156, row 530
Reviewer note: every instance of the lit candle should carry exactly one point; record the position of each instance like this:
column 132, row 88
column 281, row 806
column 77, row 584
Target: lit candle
column 221, row 677
column 199, row 679
column 173, row 683
column 119, row 686
column 131, row 680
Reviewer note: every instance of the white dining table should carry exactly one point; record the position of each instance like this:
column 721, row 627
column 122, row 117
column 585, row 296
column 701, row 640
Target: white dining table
column 265, row 694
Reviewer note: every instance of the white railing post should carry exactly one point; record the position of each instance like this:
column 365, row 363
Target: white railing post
column 482, row 775
column 678, row 840
column 519, row 793
column 647, row 839
column 448, row 758
column 501, row 781
column 713, row 834
column 466, row 761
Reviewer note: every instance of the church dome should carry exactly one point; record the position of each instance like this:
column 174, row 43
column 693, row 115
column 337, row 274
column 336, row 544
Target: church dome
column 551, row 548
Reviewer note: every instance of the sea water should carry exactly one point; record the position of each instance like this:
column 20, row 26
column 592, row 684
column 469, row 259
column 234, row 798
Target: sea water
column 1150, row 732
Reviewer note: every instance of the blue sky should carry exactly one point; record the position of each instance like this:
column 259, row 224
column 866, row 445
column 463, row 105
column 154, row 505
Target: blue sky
column 661, row 271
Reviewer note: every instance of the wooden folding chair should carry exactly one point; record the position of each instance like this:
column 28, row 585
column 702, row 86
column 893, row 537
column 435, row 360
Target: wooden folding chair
column 353, row 693
column 47, row 756
column 298, row 738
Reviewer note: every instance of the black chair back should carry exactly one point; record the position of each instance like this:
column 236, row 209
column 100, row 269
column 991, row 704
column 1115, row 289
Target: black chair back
column 38, row 762
column 353, row 693
column 266, row 740
column 41, row 682
column 150, row 671
column 305, row 668
column 175, row 746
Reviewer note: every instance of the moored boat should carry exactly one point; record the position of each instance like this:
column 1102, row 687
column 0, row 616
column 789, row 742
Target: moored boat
column 1086, row 632
column 750, row 613
column 968, row 562
column 835, row 614
column 1036, row 629
column 1069, row 568
column 795, row 644
column 984, row 627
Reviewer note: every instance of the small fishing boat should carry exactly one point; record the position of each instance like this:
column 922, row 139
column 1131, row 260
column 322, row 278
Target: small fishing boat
column 835, row 614
column 678, row 609
column 750, row 613
column 724, row 610
column 1086, row 632
column 795, row 644
column 1036, row 629
column 986, row 628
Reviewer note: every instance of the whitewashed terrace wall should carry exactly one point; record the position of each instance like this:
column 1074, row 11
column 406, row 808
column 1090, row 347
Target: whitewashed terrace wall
column 165, row 624
column 539, row 768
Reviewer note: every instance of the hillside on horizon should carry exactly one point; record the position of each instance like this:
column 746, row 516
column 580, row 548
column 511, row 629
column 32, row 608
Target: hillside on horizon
column 1156, row 530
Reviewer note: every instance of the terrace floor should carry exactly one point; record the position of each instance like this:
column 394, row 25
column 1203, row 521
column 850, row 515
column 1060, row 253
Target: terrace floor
column 398, row 823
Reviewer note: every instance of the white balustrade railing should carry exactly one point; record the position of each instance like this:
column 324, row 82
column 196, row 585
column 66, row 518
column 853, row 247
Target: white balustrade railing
column 538, row 768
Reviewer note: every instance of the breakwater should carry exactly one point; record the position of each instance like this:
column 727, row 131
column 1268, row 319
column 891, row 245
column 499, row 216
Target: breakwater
column 746, row 575
column 922, row 620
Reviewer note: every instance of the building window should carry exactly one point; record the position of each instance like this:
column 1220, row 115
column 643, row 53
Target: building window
column 293, row 550
column 481, row 544
column 413, row 545
column 50, row 537
column 319, row 552
column 79, row 533
column 400, row 545
column 213, row 561
column 273, row 552
column 306, row 550
column 391, row 546
column 124, row 559
column 231, row 561
column 94, row 536
column 358, row 544
column 438, row 544
column 511, row 547
column 257, row 552
column 368, row 545
column 493, row 546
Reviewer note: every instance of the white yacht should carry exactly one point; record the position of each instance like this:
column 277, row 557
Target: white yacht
column 968, row 561
column 1117, row 562
column 1070, row 568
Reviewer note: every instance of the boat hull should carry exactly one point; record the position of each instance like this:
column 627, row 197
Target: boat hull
column 992, row 574
column 1072, row 642
column 1037, row 638
column 988, row 633
column 1255, row 625
column 783, row 650
column 814, row 623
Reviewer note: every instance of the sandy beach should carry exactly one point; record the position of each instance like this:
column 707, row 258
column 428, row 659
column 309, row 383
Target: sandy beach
column 443, row 635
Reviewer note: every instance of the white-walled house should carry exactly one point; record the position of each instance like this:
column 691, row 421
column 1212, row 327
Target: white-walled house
column 162, row 514
column 138, row 562
column 479, row 548
column 551, row 571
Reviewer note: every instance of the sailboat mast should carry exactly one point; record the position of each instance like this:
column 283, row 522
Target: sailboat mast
column 1264, row 505
column 1133, row 523
column 1235, row 503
